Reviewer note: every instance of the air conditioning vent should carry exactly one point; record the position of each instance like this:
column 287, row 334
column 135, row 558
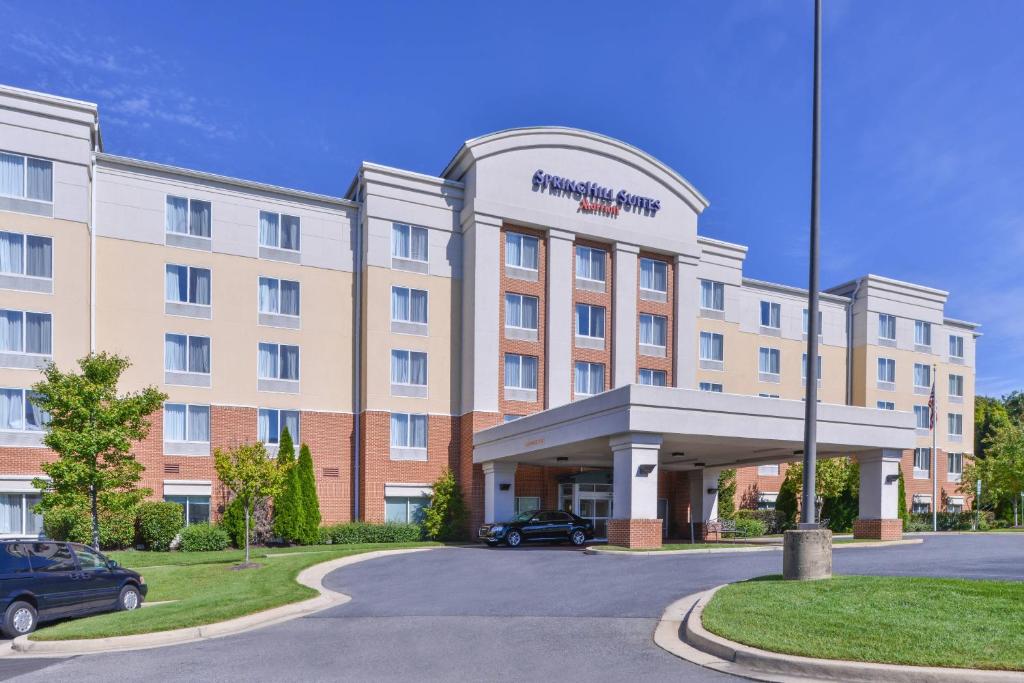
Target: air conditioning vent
column 172, row 468
column 331, row 472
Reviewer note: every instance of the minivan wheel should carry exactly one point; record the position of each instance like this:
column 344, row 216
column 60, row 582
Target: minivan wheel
column 19, row 619
column 129, row 599
column 514, row 539
column 578, row 537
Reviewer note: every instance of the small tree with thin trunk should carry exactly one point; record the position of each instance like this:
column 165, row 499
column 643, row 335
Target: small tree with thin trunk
column 305, row 475
column 253, row 477
column 92, row 429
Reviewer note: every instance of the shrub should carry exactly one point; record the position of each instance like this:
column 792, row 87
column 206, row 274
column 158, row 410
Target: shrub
column 774, row 521
column 73, row 523
column 197, row 538
column 363, row 532
column 117, row 528
column 445, row 518
column 747, row 526
column 159, row 523
column 786, row 503
column 289, row 514
column 727, row 494
column 260, row 523
column 306, row 480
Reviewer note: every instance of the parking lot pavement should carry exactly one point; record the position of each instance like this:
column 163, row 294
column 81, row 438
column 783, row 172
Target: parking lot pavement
column 500, row 614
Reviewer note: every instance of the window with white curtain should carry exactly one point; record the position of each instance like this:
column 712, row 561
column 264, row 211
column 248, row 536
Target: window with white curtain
column 590, row 321
column 408, row 430
column 955, row 422
column 278, row 361
column 408, row 367
column 270, row 422
column 885, row 405
column 922, row 333
column 521, row 250
column 25, row 177
column 188, row 216
column 29, row 255
column 771, row 315
column 280, row 297
column 712, row 346
column 19, row 414
column 956, row 386
column 922, row 417
column 187, row 284
column 922, row 463
column 186, row 353
column 405, row 509
column 186, row 422
column 956, row 346
column 590, row 263
column 194, row 509
column 955, row 466
column 589, row 378
column 408, row 242
column 654, row 378
column 922, row 375
column 279, row 231
column 653, row 329
column 408, row 305
column 805, row 322
column 520, row 371
column 887, row 370
column 18, row 516
column 712, row 295
column 713, row 387
column 521, row 311
column 768, row 470
column 887, row 327
column 26, row 332
column 769, row 361
column 653, row 275
column 803, row 369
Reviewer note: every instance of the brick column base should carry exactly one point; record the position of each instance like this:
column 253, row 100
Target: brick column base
column 635, row 533
column 706, row 532
column 878, row 529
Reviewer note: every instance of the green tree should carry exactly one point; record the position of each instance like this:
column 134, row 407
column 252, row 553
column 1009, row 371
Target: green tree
column 836, row 483
column 727, row 494
column 787, row 503
column 1014, row 405
column 251, row 476
column 310, row 504
column 989, row 414
column 901, row 504
column 1001, row 471
column 445, row 517
column 92, row 430
column 288, row 510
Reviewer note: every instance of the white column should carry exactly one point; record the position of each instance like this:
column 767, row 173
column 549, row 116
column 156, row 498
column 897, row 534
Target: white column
column 624, row 314
column 499, row 491
column 704, row 494
column 685, row 352
column 879, row 484
column 558, row 363
column 635, row 476
column 480, row 290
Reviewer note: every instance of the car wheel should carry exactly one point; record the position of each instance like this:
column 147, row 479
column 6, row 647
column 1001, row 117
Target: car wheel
column 578, row 537
column 514, row 539
column 129, row 599
column 19, row 619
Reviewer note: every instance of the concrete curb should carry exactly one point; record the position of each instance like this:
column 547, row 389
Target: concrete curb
column 311, row 577
column 681, row 633
column 753, row 549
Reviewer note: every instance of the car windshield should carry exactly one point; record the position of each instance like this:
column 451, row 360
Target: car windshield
column 524, row 516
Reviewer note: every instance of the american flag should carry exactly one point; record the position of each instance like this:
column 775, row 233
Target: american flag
column 931, row 404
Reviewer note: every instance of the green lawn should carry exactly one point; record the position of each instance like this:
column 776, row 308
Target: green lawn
column 895, row 620
column 207, row 590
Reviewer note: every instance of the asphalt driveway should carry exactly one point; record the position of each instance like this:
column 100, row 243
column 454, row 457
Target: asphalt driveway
column 499, row 614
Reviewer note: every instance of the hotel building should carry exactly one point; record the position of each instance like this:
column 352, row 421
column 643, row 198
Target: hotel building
column 542, row 317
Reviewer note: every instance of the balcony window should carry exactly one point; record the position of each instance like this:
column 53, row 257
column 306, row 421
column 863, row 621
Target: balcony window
column 279, row 231
column 408, row 305
column 18, row 413
column 187, row 285
column 653, row 330
column 28, row 255
column 186, row 423
column 922, row 463
column 520, row 372
column 270, row 422
column 521, row 311
column 712, row 346
column 769, row 362
column 956, row 347
column 771, row 315
column 24, row 177
column 26, row 332
column 186, row 353
column 589, row 378
column 653, row 275
column 521, row 251
column 408, row 242
column 279, row 297
column 922, row 414
column 188, row 217
column 712, row 295
column 887, row 370
column 955, row 466
column 408, row 430
column 408, row 367
column 922, row 333
column 922, row 376
column 956, row 386
column 955, row 424
column 590, row 263
column 654, row 378
column 278, row 361
column 589, row 321
column 886, row 327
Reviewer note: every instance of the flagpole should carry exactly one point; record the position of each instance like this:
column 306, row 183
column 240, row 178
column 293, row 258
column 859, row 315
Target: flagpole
column 935, row 453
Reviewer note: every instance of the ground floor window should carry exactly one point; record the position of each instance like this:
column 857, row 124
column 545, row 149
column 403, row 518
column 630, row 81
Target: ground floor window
column 405, row 509
column 768, row 470
column 766, row 501
column 922, row 463
column 955, row 505
column 16, row 515
column 194, row 509
column 920, row 507
column 526, row 503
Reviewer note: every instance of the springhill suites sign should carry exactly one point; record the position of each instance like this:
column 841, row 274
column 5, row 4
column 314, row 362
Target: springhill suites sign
column 595, row 198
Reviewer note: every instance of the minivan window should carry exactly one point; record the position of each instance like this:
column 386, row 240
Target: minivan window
column 89, row 559
column 14, row 558
column 52, row 557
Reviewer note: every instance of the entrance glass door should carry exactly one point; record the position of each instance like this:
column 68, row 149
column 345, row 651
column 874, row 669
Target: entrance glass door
column 594, row 503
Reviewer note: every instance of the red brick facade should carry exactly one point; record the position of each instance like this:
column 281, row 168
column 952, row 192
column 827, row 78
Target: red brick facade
column 880, row 529
column 603, row 299
column 635, row 533
column 665, row 309
column 536, row 349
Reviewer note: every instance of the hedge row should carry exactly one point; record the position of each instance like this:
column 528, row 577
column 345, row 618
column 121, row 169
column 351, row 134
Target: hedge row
column 363, row 532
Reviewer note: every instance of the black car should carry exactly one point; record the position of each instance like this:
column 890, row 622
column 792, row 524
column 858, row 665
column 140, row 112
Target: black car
column 538, row 525
column 45, row 580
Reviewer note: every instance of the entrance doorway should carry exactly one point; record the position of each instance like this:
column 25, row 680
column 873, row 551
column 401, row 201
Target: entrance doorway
column 591, row 501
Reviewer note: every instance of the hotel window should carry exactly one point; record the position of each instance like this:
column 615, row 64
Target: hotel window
column 654, row 378
column 589, row 378
column 712, row 295
column 768, row 470
column 187, row 285
column 409, row 242
column 803, row 368
column 405, row 510
column 520, row 371
column 768, row 395
column 527, row 504
column 186, row 423
column 279, row 297
column 194, row 509
column 186, row 353
column 17, row 514
column 766, row 501
column 713, row 387
column 886, row 327
column 955, row 466
column 922, row 376
column 270, row 422
column 279, row 231
column 956, row 346
column 408, row 367
column 921, row 506
column 24, row 177
column 921, row 413
column 188, row 217
column 589, row 321
column 885, row 405
column 521, row 311
column 653, row 275
column 922, row 333
column 886, row 371
column 712, row 347
column 653, row 329
column 590, row 263
column 28, row 255
column 922, row 463
column 805, row 322
column 769, row 361
column 771, row 315
column 956, row 424
column 408, row 430
column 19, row 414
column 408, row 305
column 521, row 251
column 956, row 386
column 278, row 361
column 955, row 505
column 26, row 332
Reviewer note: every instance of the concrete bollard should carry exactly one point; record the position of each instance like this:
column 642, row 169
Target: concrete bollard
column 807, row 554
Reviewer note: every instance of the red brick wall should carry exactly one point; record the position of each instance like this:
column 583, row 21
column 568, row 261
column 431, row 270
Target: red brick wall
column 585, row 296
column 527, row 348
column 471, row 477
column 749, row 483
column 665, row 309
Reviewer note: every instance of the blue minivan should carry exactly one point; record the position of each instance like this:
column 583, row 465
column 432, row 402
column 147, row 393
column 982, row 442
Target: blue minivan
column 43, row 580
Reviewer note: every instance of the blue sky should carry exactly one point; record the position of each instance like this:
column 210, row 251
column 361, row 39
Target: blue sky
column 923, row 111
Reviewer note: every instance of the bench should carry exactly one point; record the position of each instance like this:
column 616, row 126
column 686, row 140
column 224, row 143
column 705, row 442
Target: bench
column 722, row 527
